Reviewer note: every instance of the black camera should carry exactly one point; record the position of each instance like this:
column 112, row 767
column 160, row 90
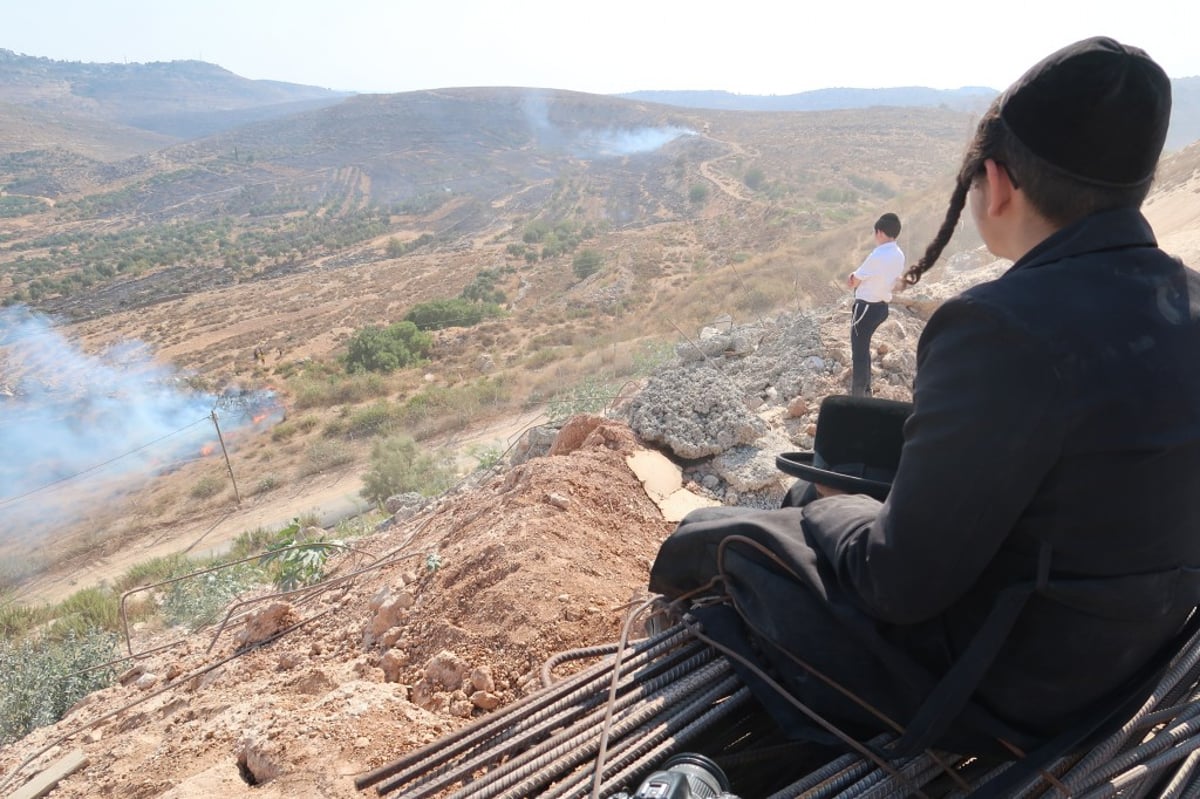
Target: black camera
column 684, row 776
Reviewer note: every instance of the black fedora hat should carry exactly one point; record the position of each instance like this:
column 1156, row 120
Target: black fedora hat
column 856, row 448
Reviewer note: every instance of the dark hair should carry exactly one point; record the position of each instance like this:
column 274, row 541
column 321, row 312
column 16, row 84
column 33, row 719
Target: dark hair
column 889, row 224
column 1059, row 198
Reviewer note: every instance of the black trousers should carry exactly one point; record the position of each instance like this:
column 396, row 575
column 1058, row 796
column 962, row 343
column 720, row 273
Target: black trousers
column 864, row 319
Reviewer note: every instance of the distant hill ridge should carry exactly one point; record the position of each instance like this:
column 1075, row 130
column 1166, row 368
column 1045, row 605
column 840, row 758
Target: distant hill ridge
column 1185, row 112
column 968, row 98
column 181, row 99
column 190, row 99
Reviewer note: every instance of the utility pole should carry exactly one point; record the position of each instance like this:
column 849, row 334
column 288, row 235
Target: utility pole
column 225, row 452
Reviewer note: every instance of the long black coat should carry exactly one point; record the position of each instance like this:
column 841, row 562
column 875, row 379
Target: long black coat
column 1053, row 454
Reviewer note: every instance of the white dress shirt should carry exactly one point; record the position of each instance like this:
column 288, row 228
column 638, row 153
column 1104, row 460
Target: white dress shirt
column 879, row 273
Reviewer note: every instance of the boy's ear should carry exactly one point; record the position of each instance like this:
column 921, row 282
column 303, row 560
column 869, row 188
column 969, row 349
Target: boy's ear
column 999, row 188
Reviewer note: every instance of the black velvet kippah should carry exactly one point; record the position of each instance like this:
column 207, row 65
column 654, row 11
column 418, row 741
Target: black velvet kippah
column 1096, row 110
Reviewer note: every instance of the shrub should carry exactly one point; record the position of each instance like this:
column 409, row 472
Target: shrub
column 651, row 357
column 834, row 195
column 207, row 487
column 871, row 186
column 543, row 357
column 590, row 395
column 251, row 542
column 398, row 465
column 324, row 455
column 323, row 391
column 374, row 420
column 266, row 483
column 85, row 610
column 535, row 231
column 336, row 428
column 437, row 409
column 698, row 194
column 754, row 301
column 283, row 431
column 15, row 571
column 203, row 598
column 17, row 619
column 375, row 349
column 483, row 288
column 458, row 312
column 587, row 262
column 155, row 570
column 487, row 456
column 753, row 178
column 298, row 566
column 306, row 424
column 43, row 679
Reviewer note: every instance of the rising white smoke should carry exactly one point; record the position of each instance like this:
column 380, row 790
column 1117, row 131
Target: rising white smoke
column 626, row 141
column 592, row 142
column 75, row 426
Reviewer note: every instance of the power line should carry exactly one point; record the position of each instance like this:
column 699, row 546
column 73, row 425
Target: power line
column 7, row 500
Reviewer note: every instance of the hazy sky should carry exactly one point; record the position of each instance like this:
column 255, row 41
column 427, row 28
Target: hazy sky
column 610, row 46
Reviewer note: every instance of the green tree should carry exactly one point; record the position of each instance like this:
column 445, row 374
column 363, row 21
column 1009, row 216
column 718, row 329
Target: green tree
column 439, row 314
column 483, row 288
column 398, row 466
column 698, row 194
column 754, row 178
column 535, row 231
column 376, row 349
column 587, row 262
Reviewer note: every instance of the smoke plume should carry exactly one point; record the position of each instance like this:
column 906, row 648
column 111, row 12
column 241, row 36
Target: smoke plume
column 76, row 427
column 593, row 142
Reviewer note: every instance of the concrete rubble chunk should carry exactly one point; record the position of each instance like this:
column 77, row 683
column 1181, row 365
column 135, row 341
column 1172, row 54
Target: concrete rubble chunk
column 447, row 670
column 266, row 622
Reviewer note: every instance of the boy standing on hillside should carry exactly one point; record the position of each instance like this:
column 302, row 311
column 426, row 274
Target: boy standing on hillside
column 872, row 283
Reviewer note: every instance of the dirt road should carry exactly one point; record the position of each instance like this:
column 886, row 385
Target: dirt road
column 331, row 497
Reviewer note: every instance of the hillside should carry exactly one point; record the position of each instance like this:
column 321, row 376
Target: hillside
column 177, row 99
column 25, row 130
column 274, row 202
column 1173, row 208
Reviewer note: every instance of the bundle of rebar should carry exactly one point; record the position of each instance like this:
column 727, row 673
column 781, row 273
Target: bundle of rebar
column 605, row 728
column 662, row 693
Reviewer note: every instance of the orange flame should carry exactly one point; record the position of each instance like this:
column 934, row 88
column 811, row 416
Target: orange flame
column 208, row 449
